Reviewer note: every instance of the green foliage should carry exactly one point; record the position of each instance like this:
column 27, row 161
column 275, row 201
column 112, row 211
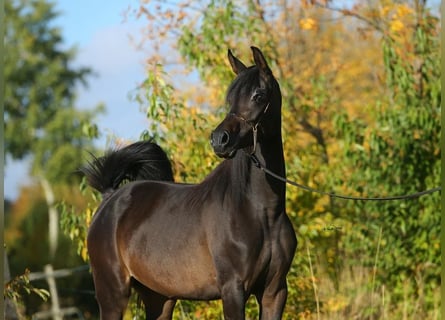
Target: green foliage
column 222, row 25
column 75, row 219
column 13, row 288
column 40, row 119
column 397, row 154
column 36, row 70
column 66, row 136
column 16, row 288
column 75, row 225
column 177, row 126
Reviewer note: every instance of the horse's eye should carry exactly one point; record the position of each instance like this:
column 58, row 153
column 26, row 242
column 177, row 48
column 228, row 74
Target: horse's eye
column 259, row 97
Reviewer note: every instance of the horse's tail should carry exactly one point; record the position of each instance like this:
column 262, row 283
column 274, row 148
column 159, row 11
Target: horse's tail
column 143, row 160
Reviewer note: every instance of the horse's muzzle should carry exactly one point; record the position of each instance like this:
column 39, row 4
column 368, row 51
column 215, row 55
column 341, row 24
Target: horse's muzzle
column 220, row 141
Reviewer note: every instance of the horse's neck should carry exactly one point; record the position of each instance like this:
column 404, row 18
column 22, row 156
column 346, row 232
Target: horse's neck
column 271, row 156
column 270, row 149
column 268, row 188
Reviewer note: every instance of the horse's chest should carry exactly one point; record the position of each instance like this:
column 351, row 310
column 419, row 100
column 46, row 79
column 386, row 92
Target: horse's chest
column 249, row 244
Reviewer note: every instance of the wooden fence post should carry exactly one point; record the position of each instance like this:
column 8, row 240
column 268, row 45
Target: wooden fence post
column 10, row 307
column 55, row 306
column 56, row 313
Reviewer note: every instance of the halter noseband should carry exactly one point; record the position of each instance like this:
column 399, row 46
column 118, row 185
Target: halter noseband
column 254, row 126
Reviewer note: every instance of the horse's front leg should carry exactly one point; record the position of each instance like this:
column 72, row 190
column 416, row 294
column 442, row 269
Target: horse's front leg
column 272, row 302
column 233, row 298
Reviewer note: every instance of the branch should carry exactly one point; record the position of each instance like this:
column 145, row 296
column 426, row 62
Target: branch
column 260, row 12
column 317, row 133
column 351, row 13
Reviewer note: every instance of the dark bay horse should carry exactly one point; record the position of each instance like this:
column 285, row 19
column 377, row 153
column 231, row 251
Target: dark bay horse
column 226, row 238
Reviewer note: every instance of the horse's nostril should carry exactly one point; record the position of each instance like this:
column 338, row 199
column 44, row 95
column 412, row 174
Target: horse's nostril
column 220, row 139
column 225, row 138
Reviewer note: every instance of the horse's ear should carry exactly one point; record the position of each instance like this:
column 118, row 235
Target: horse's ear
column 237, row 66
column 260, row 61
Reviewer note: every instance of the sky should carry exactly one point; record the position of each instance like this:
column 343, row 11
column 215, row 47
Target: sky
column 101, row 36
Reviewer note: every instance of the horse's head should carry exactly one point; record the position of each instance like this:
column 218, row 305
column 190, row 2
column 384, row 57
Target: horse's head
column 254, row 98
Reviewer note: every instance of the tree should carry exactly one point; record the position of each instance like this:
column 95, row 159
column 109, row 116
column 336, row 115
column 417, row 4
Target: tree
column 37, row 69
column 40, row 118
column 399, row 153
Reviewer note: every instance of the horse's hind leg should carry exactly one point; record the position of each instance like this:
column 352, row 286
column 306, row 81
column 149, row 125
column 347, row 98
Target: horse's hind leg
column 112, row 293
column 157, row 307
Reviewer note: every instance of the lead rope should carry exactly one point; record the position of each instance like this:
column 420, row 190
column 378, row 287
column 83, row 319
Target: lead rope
column 258, row 164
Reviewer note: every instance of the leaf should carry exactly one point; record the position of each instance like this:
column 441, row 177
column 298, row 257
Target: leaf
column 308, row 24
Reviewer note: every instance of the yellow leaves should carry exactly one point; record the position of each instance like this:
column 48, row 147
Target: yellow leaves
column 308, row 24
column 88, row 216
column 321, row 204
column 396, row 11
column 336, row 303
column 416, row 134
column 403, row 10
column 384, row 11
column 84, row 253
column 399, row 17
column 306, row 4
column 83, row 248
column 209, row 96
column 396, row 26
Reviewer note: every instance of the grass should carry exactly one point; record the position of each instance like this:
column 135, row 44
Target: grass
column 358, row 297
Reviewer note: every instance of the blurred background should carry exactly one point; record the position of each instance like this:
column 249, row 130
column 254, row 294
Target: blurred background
column 361, row 116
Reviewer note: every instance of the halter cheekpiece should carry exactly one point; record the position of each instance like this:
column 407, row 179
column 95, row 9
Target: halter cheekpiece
column 254, row 126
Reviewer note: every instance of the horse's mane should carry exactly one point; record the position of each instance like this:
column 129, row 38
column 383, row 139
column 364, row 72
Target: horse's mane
column 229, row 181
column 231, row 177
